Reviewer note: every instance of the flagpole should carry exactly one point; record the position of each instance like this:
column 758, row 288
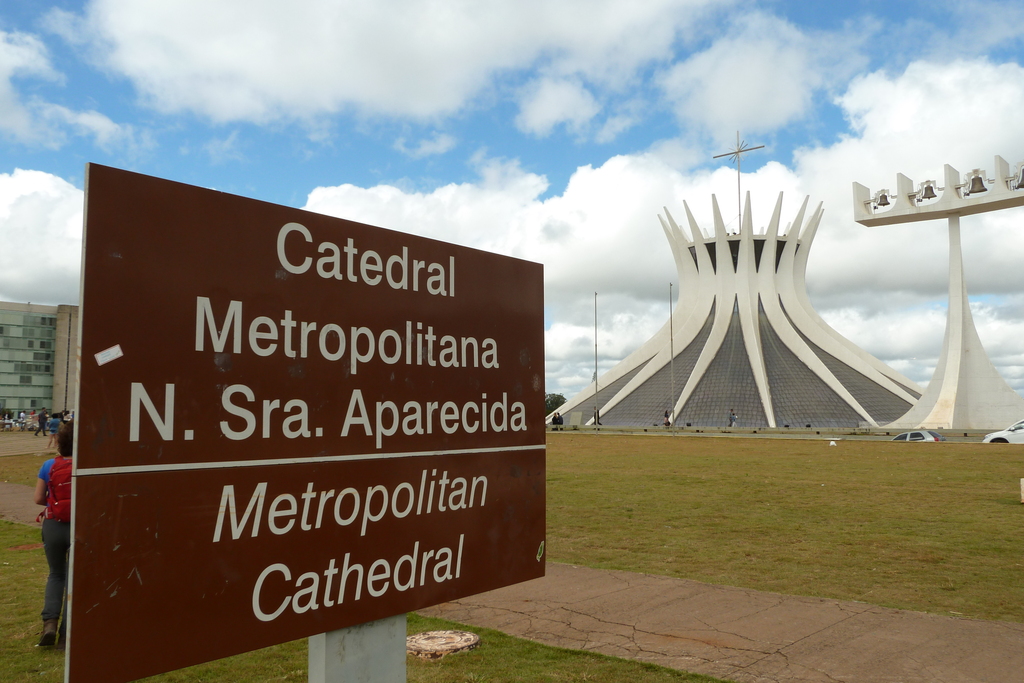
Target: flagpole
column 672, row 362
column 597, row 415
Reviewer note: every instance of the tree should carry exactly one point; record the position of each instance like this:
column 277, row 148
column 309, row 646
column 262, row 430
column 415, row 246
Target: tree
column 553, row 402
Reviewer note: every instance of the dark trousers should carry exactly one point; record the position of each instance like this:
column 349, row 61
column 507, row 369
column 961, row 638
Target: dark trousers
column 56, row 543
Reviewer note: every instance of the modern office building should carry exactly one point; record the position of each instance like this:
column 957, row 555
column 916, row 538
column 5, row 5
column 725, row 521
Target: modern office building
column 744, row 340
column 38, row 357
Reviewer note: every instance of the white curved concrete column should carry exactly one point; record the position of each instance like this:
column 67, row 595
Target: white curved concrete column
column 966, row 391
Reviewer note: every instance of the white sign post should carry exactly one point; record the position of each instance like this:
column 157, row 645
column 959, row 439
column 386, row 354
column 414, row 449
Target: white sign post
column 368, row 653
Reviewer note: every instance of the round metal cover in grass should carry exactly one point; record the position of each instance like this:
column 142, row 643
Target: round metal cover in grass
column 437, row 644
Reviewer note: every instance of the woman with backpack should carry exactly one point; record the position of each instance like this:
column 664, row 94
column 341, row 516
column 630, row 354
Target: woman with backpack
column 53, row 489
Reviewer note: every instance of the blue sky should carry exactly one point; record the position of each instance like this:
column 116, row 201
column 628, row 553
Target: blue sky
column 550, row 130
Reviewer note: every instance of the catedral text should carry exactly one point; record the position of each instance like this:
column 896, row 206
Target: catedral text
column 350, row 264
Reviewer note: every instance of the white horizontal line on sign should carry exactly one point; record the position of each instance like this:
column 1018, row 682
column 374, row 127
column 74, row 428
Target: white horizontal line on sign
column 183, row 466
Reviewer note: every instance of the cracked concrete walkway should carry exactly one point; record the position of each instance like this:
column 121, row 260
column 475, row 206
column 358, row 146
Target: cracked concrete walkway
column 744, row 635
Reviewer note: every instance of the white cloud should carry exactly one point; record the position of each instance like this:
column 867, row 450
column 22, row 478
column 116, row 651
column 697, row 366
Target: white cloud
column 105, row 133
column 21, row 55
column 549, row 102
column 36, row 122
column 482, row 214
column 678, row 153
column 41, row 230
column 616, row 124
column 759, row 76
column 954, row 28
column 439, row 143
column 239, row 60
column 222, row 150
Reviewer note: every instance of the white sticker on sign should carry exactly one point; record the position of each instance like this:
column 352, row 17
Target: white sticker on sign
column 113, row 353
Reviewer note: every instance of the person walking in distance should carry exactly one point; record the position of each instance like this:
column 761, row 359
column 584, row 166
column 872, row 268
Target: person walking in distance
column 53, row 489
column 43, row 423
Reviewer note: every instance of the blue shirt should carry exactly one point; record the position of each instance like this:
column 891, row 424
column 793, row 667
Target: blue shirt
column 44, row 471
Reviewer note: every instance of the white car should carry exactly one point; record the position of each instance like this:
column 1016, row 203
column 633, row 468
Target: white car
column 1012, row 434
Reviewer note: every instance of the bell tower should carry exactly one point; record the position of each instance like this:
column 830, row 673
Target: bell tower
column 966, row 391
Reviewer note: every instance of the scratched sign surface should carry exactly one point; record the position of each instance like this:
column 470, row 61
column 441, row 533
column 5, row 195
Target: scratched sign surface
column 289, row 424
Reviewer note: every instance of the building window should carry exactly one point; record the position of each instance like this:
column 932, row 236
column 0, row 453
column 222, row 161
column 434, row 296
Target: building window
column 31, row 344
column 26, row 379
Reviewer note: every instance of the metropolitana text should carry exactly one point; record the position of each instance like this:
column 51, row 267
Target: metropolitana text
column 297, row 339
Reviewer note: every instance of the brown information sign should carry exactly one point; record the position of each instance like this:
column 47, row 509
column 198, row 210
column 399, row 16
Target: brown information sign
column 290, row 424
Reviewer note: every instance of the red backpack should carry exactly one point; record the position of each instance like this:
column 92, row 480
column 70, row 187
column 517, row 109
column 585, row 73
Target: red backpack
column 58, row 490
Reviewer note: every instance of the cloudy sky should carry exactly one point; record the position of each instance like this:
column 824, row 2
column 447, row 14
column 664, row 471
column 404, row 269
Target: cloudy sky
column 551, row 130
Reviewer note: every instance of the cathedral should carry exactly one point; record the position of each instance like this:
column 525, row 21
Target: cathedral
column 744, row 346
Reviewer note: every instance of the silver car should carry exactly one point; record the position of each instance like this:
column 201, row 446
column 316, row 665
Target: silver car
column 1012, row 434
column 922, row 435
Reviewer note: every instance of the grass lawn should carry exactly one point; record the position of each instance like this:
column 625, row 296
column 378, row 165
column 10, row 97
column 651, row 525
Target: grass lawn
column 21, row 469
column 930, row 527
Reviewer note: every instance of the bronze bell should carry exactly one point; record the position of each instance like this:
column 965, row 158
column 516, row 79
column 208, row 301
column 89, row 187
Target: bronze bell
column 977, row 185
column 927, row 192
column 883, row 200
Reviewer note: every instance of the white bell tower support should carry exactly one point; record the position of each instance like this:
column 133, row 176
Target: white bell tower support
column 966, row 391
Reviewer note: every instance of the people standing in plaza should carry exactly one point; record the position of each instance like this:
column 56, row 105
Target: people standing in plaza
column 732, row 417
column 53, row 489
